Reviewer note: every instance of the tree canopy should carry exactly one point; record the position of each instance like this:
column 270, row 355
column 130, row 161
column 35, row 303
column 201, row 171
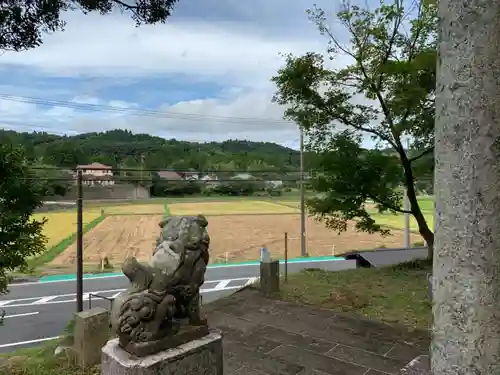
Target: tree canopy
column 384, row 95
column 123, row 149
column 21, row 235
column 23, row 22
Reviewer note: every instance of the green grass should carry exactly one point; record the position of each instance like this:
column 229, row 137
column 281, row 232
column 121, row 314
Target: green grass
column 167, row 209
column 124, row 202
column 40, row 360
column 395, row 294
column 54, row 251
column 397, row 221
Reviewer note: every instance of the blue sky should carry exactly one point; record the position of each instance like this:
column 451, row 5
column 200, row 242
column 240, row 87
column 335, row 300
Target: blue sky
column 212, row 60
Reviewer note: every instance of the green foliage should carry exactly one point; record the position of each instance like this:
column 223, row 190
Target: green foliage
column 21, row 236
column 345, row 187
column 121, row 148
column 135, row 172
column 386, row 93
column 22, row 23
column 57, row 182
column 238, row 187
column 169, row 188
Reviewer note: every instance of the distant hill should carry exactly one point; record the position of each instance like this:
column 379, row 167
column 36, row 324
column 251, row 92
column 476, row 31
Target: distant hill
column 122, row 148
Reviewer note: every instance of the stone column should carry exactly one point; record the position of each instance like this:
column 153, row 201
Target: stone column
column 90, row 334
column 466, row 309
column 270, row 276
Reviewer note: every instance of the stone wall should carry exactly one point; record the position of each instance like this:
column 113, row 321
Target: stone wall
column 117, row 191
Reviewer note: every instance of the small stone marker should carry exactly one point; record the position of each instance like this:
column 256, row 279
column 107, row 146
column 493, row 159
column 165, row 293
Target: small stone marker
column 264, row 254
column 202, row 356
column 90, row 335
column 418, row 366
column 270, row 276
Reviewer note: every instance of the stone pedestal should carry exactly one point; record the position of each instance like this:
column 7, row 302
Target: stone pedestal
column 198, row 357
column 270, row 276
column 90, row 334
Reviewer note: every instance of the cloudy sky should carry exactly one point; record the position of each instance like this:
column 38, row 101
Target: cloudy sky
column 201, row 76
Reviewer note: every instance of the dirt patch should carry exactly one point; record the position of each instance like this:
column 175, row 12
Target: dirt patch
column 116, row 237
column 239, row 237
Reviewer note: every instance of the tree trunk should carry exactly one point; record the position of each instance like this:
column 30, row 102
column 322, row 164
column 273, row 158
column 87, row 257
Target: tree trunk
column 423, row 227
column 466, row 309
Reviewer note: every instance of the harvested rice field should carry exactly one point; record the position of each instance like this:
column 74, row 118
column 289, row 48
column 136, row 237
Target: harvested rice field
column 229, row 208
column 63, row 224
column 241, row 237
column 117, row 237
column 233, row 237
column 134, row 209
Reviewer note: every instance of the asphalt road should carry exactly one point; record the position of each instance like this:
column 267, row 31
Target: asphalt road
column 37, row 312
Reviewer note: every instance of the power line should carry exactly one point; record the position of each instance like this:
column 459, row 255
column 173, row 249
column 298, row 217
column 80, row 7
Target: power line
column 208, row 171
column 138, row 179
column 137, row 112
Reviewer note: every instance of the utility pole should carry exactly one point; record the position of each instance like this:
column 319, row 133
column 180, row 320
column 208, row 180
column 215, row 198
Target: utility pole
column 142, row 177
column 406, row 206
column 142, row 167
column 303, row 249
column 79, row 244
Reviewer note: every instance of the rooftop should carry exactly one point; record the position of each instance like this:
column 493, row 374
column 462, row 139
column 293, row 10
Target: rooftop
column 93, row 166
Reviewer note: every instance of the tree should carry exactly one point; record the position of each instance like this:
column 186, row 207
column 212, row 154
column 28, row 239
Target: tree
column 385, row 93
column 21, row 236
column 23, row 22
column 466, row 285
column 57, row 182
column 120, row 148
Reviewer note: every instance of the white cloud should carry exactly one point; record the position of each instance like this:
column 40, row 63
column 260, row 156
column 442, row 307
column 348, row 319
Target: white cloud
column 240, row 56
column 244, row 116
column 110, row 46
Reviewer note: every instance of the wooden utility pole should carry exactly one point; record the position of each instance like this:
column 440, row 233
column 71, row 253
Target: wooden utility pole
column 303, row 249
column 79, row 243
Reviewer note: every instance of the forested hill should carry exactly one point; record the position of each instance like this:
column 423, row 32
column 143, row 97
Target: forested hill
column 122, row 148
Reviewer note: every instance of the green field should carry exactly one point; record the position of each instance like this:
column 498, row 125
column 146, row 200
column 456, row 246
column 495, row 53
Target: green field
column 398, row 220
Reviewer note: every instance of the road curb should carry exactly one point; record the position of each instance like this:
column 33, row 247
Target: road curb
column 90, row 276
column 29, row 279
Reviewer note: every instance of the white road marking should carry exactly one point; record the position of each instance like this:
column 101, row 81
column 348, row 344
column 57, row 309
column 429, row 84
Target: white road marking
column 18, row 315
column 29, row 342
column 222, row 284
column 44, row 300
column 71, row 297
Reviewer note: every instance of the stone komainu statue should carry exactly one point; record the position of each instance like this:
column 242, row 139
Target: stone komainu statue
column 161, row 308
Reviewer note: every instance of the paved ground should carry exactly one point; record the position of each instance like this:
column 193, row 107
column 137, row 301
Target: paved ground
column 267, row 337
column 37, row 311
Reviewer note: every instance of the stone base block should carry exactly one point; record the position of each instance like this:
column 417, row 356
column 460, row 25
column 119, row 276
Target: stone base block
column 419, row 366
column 186, row 334
column 198, row 357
